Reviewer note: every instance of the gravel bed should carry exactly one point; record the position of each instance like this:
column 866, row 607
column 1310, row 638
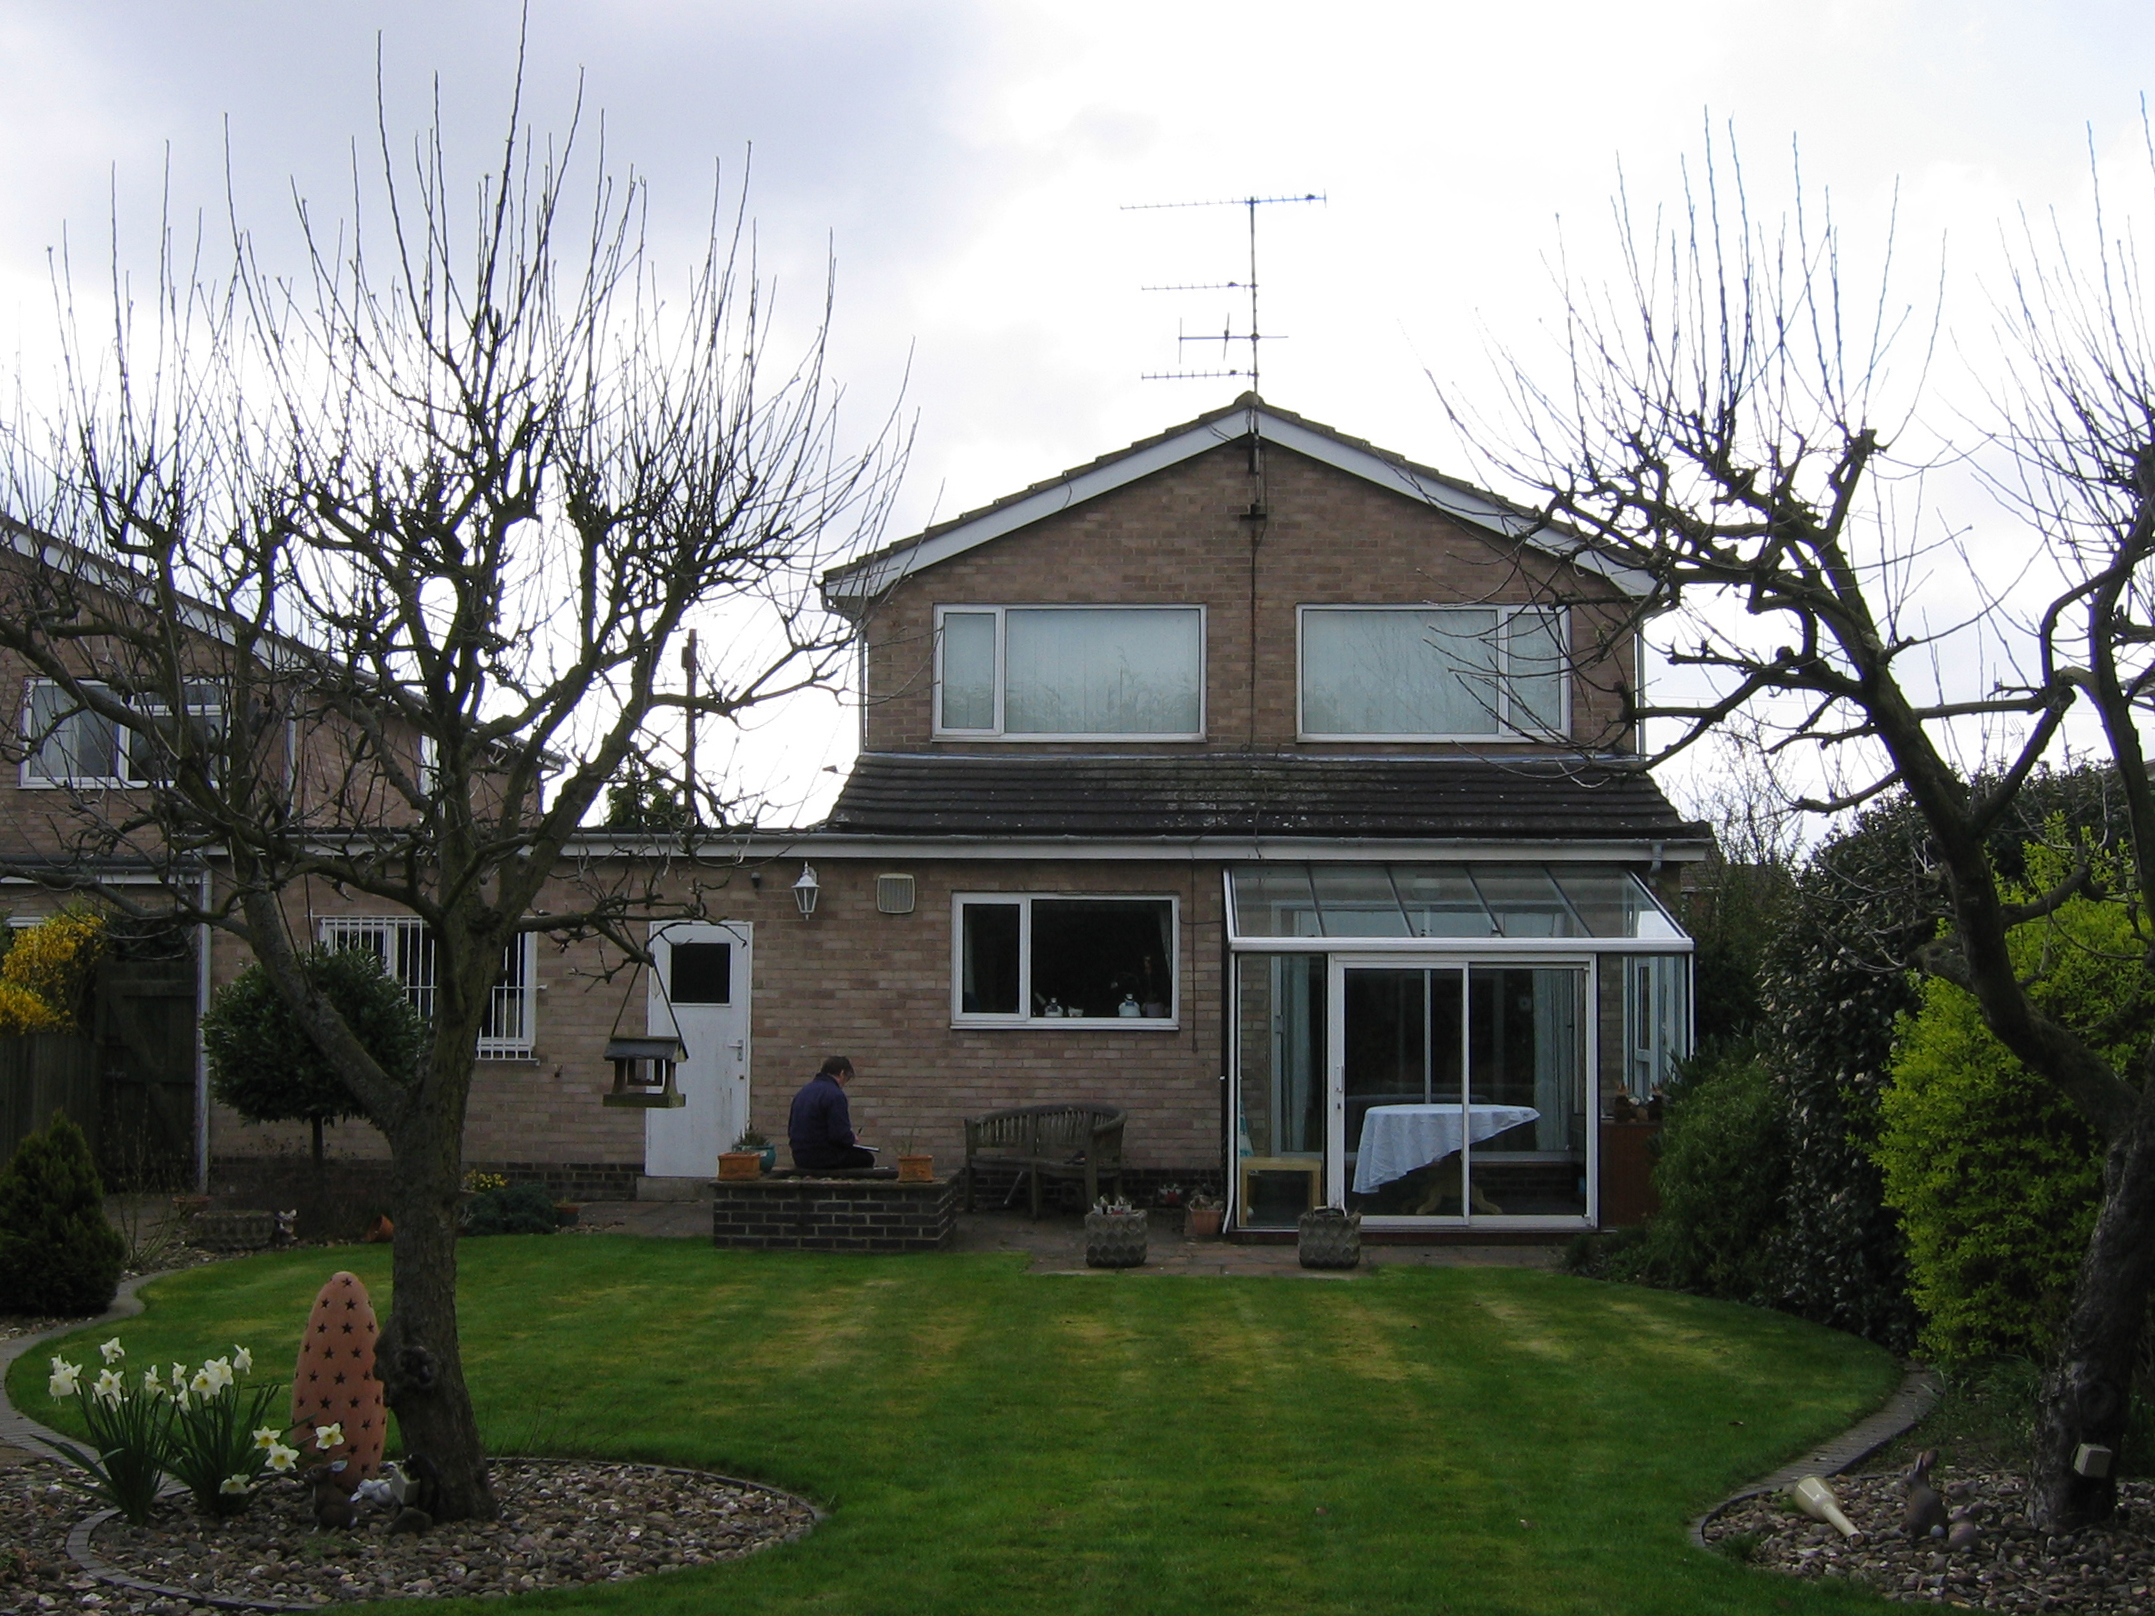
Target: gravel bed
column 2107, row 1569
column 562, row 1522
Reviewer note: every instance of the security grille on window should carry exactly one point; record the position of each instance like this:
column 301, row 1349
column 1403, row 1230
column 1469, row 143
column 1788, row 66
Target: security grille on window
column 1024, row 960
column 68, row 745
column 1428, row 672
column 406, row 949
column 1047, row 672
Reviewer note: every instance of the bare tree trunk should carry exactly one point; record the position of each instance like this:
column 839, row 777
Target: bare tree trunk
column 2087, row 1395
column 418, row 1358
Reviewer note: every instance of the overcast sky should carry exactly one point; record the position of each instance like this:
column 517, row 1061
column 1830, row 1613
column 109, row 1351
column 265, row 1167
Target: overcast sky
column 967, row 166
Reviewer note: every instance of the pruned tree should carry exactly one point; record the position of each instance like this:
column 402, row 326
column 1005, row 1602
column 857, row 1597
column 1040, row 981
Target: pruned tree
column 372, row 578
column 1724, row 419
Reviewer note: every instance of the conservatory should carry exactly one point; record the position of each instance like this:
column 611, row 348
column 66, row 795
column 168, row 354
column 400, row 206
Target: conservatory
column 1443, row 1045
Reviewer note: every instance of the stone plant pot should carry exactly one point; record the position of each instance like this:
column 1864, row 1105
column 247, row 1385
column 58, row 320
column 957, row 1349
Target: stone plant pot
column 1114, row 1239
column 1331, row 1238
column 916, row 1169
column 1204, row 1222
column 739, row 1164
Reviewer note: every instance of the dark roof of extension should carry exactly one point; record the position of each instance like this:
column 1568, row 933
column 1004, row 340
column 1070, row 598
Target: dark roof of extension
column 1241, row 794
column 851, row 587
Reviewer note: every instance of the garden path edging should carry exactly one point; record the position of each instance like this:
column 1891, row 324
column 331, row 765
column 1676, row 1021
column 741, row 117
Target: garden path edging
column 17, row 1429
column 1915, row 1397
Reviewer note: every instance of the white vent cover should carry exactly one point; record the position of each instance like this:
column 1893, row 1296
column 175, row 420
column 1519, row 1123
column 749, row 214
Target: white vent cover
column 894, row 894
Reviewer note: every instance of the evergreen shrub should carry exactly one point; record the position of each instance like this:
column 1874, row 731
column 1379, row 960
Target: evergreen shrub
column 59, row 1254
column 519, row 1209
column 1722, row 1176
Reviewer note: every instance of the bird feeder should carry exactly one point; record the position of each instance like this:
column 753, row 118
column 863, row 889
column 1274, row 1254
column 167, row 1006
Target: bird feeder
column 644, row 1072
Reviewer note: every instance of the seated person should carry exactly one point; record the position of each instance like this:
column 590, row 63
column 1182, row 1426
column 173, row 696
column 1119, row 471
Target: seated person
column 820, row 1130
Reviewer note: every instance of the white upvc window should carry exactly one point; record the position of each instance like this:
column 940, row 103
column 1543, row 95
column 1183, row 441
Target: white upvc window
column 1056, row 960
column 1076, row 673
column 1423, row 673
column 406, row 949
column 66, row 744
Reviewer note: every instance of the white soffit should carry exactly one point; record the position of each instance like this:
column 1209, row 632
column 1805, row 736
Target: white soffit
column 871, row 578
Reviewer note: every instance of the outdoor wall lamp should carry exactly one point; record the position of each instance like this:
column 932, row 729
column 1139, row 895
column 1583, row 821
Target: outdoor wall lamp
column 805, row 890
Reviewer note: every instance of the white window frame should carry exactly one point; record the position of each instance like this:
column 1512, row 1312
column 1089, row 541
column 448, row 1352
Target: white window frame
column 999, row 733
column 402, row 944
column 124, row 741
column 1023, row 902
column 1505, row 730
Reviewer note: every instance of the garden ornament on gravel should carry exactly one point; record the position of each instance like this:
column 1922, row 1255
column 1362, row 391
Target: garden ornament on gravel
column 1924, row 1515
column 1816, row 1500
column 337, row 1406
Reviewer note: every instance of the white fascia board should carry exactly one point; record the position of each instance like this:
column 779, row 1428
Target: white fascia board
column 875, row 578
column 1178, row 849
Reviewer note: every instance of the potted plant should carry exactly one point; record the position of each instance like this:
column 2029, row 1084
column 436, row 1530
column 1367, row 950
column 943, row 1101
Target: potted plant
column 1330, row 1237
column 1206, row 1214
column 760, row 1143
column 739, row 1163
column 914, row 1166
column 1114, row 1234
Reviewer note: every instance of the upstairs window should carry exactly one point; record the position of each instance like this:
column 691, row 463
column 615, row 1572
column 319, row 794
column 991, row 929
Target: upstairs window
column 68, row 745
column 1418, row 673
column 1071, row 672
column 406, row 949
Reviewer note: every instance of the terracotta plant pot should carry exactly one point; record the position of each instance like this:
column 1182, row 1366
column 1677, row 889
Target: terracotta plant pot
column 740, row 1164
column 1205, row 1221
column 916, row 1169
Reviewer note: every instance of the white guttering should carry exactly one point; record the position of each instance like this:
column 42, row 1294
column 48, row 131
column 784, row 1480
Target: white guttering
column 1233, row 849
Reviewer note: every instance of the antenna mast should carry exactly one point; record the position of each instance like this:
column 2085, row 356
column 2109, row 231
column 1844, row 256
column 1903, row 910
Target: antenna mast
column 1228, row 336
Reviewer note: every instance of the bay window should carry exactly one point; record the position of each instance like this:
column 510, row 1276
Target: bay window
column 1057, row 672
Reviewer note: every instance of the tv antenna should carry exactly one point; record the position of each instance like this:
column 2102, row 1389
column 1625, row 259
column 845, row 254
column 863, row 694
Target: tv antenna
column 1228, row 336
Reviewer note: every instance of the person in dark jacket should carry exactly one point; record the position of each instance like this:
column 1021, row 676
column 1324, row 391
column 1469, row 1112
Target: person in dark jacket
column 820, row 1130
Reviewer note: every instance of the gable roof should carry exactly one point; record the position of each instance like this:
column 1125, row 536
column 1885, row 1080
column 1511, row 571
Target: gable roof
column 849, row 589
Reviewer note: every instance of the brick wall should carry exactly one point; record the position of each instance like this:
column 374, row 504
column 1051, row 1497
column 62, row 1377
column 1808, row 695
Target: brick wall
column 1178, row 538
column 860, row 1214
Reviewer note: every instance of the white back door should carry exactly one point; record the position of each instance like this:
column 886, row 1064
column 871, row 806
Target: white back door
column 703, row 969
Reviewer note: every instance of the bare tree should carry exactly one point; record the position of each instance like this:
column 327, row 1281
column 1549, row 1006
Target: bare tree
column 376, row 577
column 1722, row 420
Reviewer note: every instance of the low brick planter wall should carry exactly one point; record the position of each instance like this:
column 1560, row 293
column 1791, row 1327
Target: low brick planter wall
column 833, row 1214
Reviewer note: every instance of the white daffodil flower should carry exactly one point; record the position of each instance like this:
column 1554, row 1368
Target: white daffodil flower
column 107, row 1388
column 66, row 1378
column 180, row 1400
column 219, row 1371
column 243, row 1360
column 179, row 1377
column 329, row 1436
column 265, row 1437
column 151, row 1385
column 282, row 1458
column 203, row 1384
column 235, row 1484
column 112, row 1350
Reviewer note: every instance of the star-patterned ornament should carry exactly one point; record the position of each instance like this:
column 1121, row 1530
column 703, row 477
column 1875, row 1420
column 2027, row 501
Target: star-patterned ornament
column 333, row 1383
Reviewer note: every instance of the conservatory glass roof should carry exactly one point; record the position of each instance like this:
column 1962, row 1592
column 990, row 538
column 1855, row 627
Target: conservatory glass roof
column 1444, row 900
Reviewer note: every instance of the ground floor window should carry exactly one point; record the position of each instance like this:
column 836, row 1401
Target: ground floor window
column 406, row 949
column 1023, row 959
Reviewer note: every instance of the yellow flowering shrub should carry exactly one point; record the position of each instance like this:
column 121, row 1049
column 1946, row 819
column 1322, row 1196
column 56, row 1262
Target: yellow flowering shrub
column 43, row 973
column 22, row 1011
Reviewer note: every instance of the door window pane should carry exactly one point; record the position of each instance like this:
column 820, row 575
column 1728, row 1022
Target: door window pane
column 700, row 973
column 1527, row 1054
column 1280, row 1088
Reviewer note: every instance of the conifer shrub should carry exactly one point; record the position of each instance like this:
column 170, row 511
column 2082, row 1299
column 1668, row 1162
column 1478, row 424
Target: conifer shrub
column 516, row 1209
column 59, row 1254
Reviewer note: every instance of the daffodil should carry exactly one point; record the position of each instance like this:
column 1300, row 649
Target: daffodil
column 203, row 1383
column 179, row 1377
column 219, row 1371
column 107, row 1388
column 151, row 1385
column 328, row 1436
column 65, row 1379
column 113, row 1351
column 235, row 1484
column 180, row 1401
column 282, row 1458
column 243, row 1360
column 265, row 1437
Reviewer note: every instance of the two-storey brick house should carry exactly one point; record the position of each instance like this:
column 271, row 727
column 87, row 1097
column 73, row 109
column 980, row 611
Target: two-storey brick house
column 1268, row 786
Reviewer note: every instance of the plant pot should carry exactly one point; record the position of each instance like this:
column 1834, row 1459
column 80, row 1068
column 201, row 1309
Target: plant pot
column 916, row 1169
column 1204, row 1222
column 1114, row 1239
column 735, row 1165
column 1330, row 1238
column 567, row 1214
column 770, row 1158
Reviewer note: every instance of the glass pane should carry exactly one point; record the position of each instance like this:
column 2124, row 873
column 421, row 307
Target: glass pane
column 1106, row 957
column 75, row 745
column 1527, row 1084
column 988, row 970
column 1534, row 672
column 1525, row 901
column 1274, row 900
column 1357, row 900
column 1657, row 1020
column 969, row 670
column 1370, row 672
column 700, row 973
column 1402, row 1065
column 1279, row 1087
column 1440, row 901
column 1102, row 672
column 1612, row 902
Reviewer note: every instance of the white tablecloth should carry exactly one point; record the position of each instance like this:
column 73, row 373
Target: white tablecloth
column 1396, row 1139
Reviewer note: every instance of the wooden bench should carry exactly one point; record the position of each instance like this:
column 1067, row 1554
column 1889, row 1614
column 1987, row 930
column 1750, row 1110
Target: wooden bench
column 1047, row 1141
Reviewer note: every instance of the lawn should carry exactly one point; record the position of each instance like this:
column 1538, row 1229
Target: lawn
column 988, row 1440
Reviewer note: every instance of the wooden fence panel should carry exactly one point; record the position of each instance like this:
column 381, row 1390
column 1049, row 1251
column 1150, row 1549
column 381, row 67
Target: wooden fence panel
column 44, row 1072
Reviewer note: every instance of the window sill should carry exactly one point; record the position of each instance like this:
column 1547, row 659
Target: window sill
column 1065, row 1024
column 1029, row 738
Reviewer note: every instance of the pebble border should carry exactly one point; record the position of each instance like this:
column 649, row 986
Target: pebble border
column 79, row 1550
column 1915, row 1397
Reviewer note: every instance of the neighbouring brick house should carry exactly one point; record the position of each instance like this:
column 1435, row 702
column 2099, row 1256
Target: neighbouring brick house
column 1251, row 778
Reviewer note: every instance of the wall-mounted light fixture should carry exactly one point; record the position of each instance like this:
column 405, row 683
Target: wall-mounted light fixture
column 805, row 890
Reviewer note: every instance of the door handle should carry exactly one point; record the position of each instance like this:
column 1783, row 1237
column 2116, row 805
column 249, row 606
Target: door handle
column 740, row 1046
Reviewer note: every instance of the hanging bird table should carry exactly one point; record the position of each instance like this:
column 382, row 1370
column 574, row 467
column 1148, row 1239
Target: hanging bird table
column 644, row 1067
